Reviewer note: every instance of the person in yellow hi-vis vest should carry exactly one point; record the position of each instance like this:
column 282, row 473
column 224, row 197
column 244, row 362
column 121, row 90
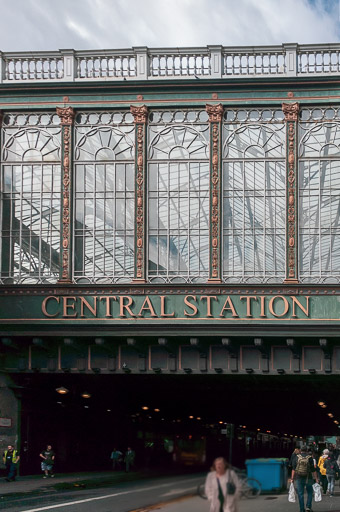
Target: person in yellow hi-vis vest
column 322, row 470
column 10, row 458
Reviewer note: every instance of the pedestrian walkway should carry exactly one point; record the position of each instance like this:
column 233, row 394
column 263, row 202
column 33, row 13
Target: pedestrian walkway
column 264, row 503
column 38, row 484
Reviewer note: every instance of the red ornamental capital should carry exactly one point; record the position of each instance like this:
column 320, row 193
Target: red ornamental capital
column 215, row 112
column 291, row 111
column 66, row 115
column 140, row 113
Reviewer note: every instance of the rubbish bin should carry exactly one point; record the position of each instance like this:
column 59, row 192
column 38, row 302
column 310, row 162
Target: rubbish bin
column 271, row 473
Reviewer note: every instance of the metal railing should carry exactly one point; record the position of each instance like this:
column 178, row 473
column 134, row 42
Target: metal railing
column 142, row 63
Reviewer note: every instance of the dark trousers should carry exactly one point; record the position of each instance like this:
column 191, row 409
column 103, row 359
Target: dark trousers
column 11, row 469
column 324, row 483
column 301, row 483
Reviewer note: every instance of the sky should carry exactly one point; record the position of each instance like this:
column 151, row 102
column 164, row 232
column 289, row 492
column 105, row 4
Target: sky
column 36, row 25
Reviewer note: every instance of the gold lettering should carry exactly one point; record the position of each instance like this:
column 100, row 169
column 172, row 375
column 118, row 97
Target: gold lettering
column 230, row 307
column 123, row 306
column 248, row 299
column 208, row 298
column 108, row 304
column 271, row 305
column 147, row 306
column 305, row 310
column 66, row 306
column 44, row 306
column 263, row 313
column 163, row 314
column 191, row 306
column 93, row 309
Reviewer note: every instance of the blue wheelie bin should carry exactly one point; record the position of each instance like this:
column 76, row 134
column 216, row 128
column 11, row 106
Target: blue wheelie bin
column 271, row 473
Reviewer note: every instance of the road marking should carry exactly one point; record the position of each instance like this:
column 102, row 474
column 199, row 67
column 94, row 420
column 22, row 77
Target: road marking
column 177, row 491
column 70, row 503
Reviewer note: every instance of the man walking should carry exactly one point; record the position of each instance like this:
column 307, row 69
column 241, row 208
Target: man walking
column 129, row 459
column 47, row 463
column 10, row 458
column 304, row 474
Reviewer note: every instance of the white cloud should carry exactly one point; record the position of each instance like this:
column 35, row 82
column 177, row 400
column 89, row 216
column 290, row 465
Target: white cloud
column 33, row 25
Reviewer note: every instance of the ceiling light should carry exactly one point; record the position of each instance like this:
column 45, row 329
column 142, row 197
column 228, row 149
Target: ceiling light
column 145, row 408
column 157, row 410
column 86, row 395
column 330, row 415
column 62, row 390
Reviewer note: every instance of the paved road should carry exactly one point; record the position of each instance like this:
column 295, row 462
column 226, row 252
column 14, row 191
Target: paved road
column 123, row 497
column 261, row 504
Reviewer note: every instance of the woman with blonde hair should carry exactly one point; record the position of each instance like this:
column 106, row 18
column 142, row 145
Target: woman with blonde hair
column 222, row 487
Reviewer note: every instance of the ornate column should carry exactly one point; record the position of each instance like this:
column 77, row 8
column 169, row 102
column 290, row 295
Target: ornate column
column 291, row 112
column 140, row 115
column 215, row 113
column 66, row 115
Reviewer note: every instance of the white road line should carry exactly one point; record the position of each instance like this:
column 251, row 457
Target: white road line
column 70, row 503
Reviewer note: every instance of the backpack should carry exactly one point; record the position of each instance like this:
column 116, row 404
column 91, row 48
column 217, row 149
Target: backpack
column 302, row 466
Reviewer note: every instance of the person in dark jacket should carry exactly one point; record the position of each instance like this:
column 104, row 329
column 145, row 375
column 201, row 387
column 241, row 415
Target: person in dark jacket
column 332, row 469
column 304, row 474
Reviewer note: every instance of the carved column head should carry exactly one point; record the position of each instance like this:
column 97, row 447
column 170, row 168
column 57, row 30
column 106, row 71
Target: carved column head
column 291, row 111
column 140, row 113
column 215, row 112
column 66, row 115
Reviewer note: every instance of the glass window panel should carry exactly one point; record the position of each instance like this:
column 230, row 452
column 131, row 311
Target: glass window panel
column 254, row 192
column 31, row 178
column 104, row 158
column 178, row 196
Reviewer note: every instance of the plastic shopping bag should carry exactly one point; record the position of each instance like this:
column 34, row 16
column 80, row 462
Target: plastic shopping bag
column 291, row 493
column 317, row 492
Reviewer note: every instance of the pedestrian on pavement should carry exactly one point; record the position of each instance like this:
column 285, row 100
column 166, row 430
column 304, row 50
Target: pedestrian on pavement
column 222, row 487
column 322, row 470
column 116, row 457
column 129, row 459
column 304, row 474
column 10, row 458
column 332, row 469
column 293, row 457
column 47, row 463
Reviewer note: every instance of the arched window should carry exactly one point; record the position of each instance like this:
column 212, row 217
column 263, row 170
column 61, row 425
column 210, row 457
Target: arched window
column 178, row 196
column 30, row 196
column 254, row 196
column 319, row 195
column 104, row 197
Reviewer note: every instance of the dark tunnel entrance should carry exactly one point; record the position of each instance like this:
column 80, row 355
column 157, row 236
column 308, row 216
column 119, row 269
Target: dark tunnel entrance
column 165, row 417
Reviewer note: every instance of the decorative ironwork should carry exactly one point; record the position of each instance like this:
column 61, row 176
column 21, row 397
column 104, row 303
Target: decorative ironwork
column 178, row 196
column 30, row 185
column 140, row 114
column 66, row 118
column 319, row 189
column 254, row 217
column 291, row 112
column 215, row 113
column 104, row 189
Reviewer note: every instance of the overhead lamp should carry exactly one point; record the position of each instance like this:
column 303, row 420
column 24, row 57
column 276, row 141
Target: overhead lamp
column 324, row 406
column 198, row 418
column 145, row 408
column 221, row 422
column 157, row 410
column 330, row 415
column 191, row 417
column 86, row 394
column 62, row 390
column 336, row 422
column 321, row 403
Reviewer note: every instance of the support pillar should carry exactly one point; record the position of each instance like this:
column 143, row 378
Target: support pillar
column 66, row 115
column 215, row 113
column 291, row 112
column 9, row 415
column 140, row 114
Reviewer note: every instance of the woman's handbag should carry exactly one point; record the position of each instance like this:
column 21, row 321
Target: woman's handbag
column 231, row 487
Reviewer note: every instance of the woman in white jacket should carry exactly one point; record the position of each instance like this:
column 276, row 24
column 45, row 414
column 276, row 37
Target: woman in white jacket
column 216, row 487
